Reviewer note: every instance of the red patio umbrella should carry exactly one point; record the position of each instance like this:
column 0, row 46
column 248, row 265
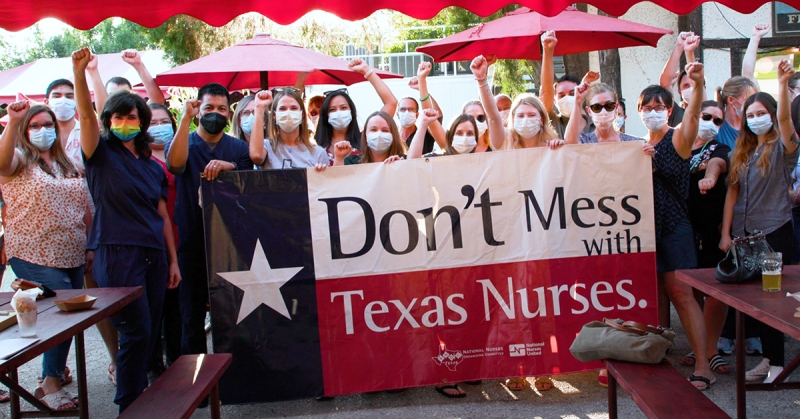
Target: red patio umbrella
column 516, row 36
column 85, row 14
column 263, row 62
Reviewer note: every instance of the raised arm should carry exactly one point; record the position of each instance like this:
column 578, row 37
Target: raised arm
column 258, row 152
column 387, row 97
column 785, row 125
column 179, row 149
column 690, row 46
column 672, row 64
column 9, row 160
column 132, row 57
column 300, row 82
column 90, row 132
column 716, row 166
column 427, row 118
column 100, row 93
column 573, row 131
column 420, row 83
column 691, row 117
column 547, row 93
column 749, row 62
column 480, row 68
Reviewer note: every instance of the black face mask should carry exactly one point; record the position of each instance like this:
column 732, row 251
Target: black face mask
column 213, row 123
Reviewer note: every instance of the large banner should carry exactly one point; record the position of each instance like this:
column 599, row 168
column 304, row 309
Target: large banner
column 383, row 276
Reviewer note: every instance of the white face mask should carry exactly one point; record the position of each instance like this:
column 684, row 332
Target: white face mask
column 406, row 118
column 314, row 121
column 340, row 120
column 619, row 123
column 504, row 117
column 527, row 127
column 760, row 125
column 63, row 108
column 603, row 120
column 565, row 105
column 482, row 127
column 43, row 138
column 686, row 94
column 288, row 121
column 463, row 144
column 379, row 142
column 247, row 124
column 707, row 130
column 654, row 120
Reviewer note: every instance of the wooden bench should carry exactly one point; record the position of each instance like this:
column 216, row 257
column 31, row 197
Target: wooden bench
column 659, row 390
column 180, row 389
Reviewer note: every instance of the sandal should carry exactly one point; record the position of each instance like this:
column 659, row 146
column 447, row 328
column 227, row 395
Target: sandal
column 455, row 391
column 4, row 396
column 112, row 374
column 543, row 383
column 39, row 394
column 719, row 365
column 602, row 378
column 516, row 384
column 699, row 379
column 58, row 400
column 688, row 360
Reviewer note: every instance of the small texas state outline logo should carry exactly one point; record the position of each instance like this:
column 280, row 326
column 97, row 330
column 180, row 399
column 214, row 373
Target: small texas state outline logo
column 448, row 358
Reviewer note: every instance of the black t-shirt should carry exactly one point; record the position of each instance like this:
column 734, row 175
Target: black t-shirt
column 705, row 211
column 427, row 146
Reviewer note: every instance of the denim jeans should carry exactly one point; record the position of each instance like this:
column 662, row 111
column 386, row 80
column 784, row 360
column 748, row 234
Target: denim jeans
column 137, row 323
column 54, row 360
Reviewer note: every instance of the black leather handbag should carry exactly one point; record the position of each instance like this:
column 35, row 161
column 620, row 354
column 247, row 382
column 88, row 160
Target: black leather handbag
column 743, row 261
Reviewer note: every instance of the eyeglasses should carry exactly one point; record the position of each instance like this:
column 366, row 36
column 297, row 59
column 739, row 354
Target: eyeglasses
column 480, row 118
column 609, row 106
column 659, row 108
column 337, row 91
column 717, row 121
column 276, row 90
column 246, row 113
column 36, row 127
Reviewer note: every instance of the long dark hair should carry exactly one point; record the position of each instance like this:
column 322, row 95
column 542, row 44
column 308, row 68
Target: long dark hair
column 324, row 132
column 30, row 154
column 398, row 147
column 123, row 102
column 747, row 141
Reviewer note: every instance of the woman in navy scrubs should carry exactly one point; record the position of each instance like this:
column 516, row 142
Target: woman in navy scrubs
column 131, row 232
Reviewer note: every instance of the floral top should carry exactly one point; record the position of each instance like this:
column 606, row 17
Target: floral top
column 44, row 219
column 670, row 186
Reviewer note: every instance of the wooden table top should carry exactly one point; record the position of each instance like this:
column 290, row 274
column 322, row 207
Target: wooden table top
column 54, row 326
column 772, row 308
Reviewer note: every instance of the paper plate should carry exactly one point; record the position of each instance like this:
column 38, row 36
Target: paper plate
column 80, row 302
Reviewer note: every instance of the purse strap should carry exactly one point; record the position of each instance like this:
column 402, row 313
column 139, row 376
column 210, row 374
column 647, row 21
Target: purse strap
column 623, row 327
column 644, row 327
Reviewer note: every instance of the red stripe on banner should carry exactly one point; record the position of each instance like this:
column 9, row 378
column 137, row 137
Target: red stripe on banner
column 423, row 328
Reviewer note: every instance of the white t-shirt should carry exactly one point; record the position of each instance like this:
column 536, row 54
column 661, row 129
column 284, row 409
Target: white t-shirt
column 73, row 146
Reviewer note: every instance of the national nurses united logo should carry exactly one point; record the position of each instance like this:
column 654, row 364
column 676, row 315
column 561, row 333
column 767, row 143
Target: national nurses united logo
column 448, row 358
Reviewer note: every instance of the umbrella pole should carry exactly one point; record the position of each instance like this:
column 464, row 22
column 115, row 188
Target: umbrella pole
column 264, row 80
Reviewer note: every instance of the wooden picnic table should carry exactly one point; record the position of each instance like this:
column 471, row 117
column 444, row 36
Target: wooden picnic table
column 53, row 327
column 772, row 308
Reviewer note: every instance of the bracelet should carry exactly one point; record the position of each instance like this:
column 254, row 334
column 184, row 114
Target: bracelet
column 369, row 73
column 480, row 86
column 422, row 99
column 477, row 79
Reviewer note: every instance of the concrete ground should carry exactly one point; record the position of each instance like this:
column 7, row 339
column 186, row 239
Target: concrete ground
column 574, row 396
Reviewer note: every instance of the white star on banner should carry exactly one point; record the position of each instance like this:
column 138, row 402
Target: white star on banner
column 261, row 284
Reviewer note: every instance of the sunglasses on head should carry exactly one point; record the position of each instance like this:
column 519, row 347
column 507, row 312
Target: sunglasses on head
column 609, row 106
column 337, row 91
column 707, row 117
column 276, row 90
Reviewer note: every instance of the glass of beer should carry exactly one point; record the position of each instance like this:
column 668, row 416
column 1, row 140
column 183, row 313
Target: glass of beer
column 772, row 265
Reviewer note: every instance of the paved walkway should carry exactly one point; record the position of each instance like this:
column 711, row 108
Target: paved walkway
column 574, row 396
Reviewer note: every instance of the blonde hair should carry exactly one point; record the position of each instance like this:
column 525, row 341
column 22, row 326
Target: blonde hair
column 598, row 88
column 547, row 132
column 273, row 128
column 733, row 87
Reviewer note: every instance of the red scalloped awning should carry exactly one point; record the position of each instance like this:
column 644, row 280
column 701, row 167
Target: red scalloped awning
column 85, row 14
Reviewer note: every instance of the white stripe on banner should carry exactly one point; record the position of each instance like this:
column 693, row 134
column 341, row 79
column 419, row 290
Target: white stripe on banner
column 478, row 209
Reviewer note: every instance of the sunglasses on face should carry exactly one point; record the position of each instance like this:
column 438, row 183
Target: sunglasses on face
column 717, row 121
column 337, row 91
column 609, row 106
column 480, row 118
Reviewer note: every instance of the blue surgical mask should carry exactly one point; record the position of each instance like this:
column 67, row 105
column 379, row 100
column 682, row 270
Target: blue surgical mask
column 247, row 123
column 162, row 134
column 43, row 138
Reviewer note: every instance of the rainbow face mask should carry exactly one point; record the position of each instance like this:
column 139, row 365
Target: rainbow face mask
column 125, row 130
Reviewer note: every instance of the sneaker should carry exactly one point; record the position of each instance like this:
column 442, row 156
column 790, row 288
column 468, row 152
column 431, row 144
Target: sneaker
column 752, row 346
column 758, row 373
column 725, row 346
column 773, row 373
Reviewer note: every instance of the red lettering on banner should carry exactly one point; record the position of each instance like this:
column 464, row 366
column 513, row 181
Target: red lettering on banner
column 479, row 322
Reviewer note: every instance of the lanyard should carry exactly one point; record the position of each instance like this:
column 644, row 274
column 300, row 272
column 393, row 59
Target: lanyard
column 699, row 156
